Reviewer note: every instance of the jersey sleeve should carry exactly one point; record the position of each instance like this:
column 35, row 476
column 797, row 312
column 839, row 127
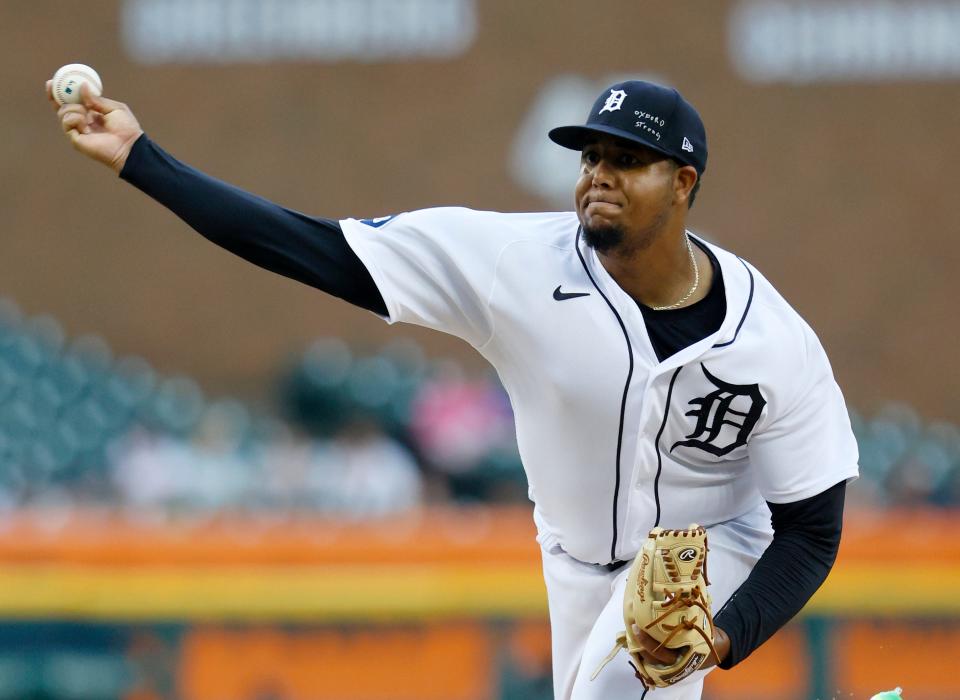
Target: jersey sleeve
column 433, row 267
column 808, row 446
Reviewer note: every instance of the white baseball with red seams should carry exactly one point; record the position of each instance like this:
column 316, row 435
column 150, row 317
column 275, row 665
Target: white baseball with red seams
column 68, row 79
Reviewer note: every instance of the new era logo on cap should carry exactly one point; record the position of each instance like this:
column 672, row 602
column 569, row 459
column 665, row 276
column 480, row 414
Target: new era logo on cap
column 687, row 146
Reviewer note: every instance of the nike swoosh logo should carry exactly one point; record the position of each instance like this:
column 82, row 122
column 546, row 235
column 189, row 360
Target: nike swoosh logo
column 563, row 296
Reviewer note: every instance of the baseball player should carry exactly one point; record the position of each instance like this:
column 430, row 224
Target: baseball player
column 656, row 379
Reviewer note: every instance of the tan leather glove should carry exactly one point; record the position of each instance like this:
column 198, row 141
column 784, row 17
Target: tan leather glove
column 666, row 597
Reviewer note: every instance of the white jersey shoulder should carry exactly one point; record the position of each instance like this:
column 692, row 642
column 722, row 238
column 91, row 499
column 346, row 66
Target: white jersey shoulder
column 436, row 267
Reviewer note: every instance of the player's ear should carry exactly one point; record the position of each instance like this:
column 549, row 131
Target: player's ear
column 684, row 180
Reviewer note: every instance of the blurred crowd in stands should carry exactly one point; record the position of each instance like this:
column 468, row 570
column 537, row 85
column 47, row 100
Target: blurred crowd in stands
column 351, row 435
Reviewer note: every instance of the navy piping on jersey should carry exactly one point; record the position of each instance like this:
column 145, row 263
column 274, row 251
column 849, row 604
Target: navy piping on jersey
column 745, row 311
column 666, row 413
column 623, row 401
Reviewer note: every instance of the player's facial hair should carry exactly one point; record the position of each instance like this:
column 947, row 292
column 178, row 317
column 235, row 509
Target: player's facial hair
column 607, row 239
column 603, row 239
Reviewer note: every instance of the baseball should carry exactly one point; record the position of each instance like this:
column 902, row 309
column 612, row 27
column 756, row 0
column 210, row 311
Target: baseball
column 68, row 79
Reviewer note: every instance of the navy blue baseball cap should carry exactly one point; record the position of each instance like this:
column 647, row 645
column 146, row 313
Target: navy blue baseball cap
column 649, row 114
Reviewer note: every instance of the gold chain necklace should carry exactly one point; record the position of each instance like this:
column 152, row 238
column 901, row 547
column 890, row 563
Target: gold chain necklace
column 696, row 280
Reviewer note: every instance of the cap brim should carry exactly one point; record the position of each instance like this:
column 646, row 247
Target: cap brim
column 576, row 137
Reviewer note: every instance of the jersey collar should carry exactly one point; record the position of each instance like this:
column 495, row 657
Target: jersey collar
column 739, row 284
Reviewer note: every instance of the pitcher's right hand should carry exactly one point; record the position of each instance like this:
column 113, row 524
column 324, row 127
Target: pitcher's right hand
column 101, row 128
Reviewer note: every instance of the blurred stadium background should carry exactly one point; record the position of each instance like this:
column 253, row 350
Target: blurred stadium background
column 216, row 484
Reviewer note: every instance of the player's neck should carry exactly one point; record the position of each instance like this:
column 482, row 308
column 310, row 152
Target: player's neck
column 661, row 273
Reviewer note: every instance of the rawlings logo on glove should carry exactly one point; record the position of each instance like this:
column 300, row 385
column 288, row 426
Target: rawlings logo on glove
column 666, row 598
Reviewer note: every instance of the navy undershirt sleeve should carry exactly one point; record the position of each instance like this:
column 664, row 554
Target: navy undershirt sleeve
column 310, row 250
column 806, row 537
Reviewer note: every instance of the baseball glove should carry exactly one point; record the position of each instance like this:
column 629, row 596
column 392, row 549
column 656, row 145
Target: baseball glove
column 666, row 597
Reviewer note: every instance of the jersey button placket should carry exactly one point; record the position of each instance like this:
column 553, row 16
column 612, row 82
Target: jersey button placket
column 645, row 466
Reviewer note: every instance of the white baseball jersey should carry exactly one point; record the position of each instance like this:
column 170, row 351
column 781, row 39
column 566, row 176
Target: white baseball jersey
column 613, row 440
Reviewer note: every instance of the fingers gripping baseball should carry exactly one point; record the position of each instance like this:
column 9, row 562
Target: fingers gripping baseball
column 98, row 127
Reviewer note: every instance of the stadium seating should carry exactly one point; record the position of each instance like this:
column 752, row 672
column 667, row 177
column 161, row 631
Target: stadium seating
column 71, row 413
